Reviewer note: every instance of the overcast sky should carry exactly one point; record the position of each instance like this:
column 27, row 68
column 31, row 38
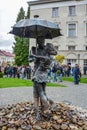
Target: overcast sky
column 9, row 10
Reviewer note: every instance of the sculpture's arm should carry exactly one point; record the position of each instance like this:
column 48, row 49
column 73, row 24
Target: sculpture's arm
column 35, row 54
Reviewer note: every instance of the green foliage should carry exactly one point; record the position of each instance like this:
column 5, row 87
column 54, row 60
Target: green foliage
column 21, row 51
column 21, row 14
column 21, row 45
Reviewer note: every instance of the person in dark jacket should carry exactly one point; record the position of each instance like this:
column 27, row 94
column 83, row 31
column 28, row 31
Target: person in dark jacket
column 76, row 74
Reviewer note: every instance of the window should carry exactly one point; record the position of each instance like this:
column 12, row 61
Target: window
column 85, row 62
column 55, row 12
column 72, row 48
column 72, row 61
column 71, row 30
column 86, row 48
column 72, row 10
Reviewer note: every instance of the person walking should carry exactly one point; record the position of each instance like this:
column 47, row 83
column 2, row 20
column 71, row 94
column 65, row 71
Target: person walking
column 76, row 74
column 60, row 73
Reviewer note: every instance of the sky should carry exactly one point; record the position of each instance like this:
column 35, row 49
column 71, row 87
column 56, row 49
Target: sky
column 9, row 10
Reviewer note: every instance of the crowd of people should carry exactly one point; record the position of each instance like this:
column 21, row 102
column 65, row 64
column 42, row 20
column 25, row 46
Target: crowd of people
column 55, row 73
column 17, row 71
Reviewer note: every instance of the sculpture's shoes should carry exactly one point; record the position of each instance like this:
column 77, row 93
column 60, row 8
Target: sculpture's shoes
column 47, row 116
column 51, row 102
column 38, row 116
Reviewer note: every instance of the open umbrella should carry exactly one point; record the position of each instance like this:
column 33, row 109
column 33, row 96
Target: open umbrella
column 32, row 28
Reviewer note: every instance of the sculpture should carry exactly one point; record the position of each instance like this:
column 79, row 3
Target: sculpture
column 42, row 60
column 39, row 29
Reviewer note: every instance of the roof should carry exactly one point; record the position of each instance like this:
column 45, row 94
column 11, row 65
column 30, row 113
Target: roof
column 5, row 53
column 35, row 2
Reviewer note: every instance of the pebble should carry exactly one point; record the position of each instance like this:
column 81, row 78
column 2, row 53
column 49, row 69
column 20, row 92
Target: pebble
column 21, row 116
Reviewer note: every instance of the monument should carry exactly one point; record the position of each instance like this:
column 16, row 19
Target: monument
column 42, row 59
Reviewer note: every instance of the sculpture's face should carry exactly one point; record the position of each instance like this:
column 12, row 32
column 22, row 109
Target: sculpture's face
column 51, row 49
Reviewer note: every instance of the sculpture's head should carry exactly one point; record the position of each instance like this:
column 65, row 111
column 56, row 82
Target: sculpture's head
column 50, row 49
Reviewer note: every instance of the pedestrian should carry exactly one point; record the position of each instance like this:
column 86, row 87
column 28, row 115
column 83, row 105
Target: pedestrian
column 60, row 73
column 14, row 71
column 49, row 74
column 76, row 74
column 68, row 70
column 54, row 74
column 23, row 72
column 18, row 72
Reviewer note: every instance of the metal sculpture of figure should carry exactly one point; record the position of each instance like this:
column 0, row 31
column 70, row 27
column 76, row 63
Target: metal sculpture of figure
column 34, row 28
column 42, row 55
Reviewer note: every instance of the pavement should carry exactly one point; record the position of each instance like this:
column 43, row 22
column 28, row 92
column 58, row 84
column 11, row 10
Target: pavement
column 72, row 94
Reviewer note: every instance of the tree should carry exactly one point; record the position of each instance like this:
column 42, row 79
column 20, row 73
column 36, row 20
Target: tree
column 21, row 51
column 21, row 14
column 21, row 45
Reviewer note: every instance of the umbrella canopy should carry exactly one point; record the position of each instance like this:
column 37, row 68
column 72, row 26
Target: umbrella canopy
column 32, row 28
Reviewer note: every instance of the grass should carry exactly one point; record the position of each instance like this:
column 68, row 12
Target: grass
column 15, row 82
column 70, row 79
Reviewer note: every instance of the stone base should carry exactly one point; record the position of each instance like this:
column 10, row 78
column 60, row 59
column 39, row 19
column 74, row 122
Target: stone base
column 21, row 116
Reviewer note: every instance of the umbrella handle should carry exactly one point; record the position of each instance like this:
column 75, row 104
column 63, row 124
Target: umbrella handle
column 36, row 46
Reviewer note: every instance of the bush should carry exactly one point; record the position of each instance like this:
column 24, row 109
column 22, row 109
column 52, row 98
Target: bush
column 1, row 75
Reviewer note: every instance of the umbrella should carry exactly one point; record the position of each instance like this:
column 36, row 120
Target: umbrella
column 32, row 28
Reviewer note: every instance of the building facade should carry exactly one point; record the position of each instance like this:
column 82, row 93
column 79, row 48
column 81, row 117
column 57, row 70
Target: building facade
column 71, row 17
column 6, row 57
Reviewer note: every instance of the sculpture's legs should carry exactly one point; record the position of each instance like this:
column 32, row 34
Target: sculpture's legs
column 36, row 102
column 44, row 102
column 37, row 109
column 49, row 100
column 40, row 97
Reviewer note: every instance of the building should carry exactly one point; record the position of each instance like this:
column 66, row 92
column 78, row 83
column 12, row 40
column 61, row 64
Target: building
column 6, row 57
column 71, row 16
